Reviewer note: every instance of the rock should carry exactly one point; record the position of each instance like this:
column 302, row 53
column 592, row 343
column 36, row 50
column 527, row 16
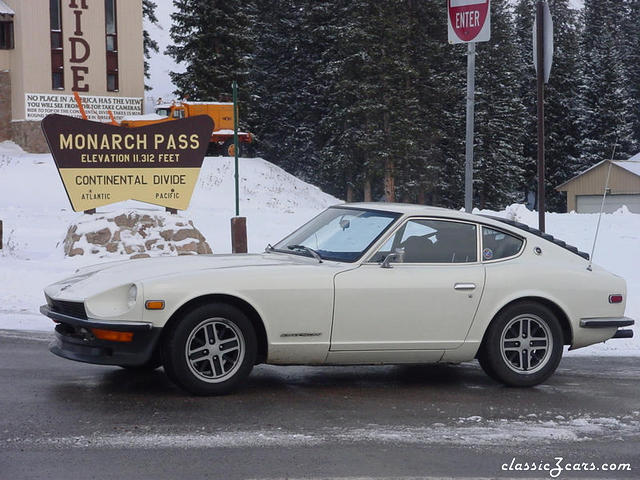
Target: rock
column 187, row 248
column 184, row 234
column 101, row 237
column 166, row 234
column 135, row 235
column 204, row 248
column 125, row 220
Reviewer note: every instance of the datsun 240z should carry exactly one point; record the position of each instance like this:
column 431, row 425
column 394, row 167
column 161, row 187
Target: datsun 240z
column 358, row 284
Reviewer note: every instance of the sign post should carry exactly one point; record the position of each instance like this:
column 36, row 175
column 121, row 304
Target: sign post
column 238, row 223
column 542, row 59
column 469, row 22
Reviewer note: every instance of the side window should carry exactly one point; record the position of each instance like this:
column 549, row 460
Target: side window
column 497, row 244
column 433, row 241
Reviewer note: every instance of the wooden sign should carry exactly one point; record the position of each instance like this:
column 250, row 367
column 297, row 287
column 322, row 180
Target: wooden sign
column 100, row 164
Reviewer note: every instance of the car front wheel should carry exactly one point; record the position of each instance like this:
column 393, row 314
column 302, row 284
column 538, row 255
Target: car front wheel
column 211, row 350
column 523, row 345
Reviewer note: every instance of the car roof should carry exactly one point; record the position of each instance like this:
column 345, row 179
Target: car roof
column 413, row 209
column 501, row 223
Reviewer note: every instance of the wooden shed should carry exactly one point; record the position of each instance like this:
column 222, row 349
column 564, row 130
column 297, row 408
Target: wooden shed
column 584, row 191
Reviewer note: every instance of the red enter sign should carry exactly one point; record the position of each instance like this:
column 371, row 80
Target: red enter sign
column 467, row 18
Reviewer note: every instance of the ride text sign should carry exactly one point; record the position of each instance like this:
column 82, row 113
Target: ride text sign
column 101, row 164
column 468, row 21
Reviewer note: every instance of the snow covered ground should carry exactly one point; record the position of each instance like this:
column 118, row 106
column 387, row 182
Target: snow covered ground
column 36, row 214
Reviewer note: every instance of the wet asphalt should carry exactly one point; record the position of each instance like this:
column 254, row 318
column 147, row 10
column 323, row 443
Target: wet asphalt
column 65, row 420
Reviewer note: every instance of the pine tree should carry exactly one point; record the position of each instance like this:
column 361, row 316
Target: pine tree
column 562, row 156
column 286, row 101
column 149, row 44
column 213, row 39
column 498, row 159
column 561, row 99
column 354, row 127
column 631, row 38
column 604, row 97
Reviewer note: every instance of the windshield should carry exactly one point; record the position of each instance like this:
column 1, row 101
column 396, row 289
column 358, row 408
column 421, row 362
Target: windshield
column 341, row 234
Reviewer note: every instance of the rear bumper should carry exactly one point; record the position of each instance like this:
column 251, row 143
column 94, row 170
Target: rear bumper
column 75, row 341
column 610, row 323
column 598, row 322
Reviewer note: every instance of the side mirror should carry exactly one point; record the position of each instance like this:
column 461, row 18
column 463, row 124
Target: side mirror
column 397, row 256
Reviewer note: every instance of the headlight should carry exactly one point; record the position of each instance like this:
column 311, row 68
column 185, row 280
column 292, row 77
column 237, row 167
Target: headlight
column 132, row 296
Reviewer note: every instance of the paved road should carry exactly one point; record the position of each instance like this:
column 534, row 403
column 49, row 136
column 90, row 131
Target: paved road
column 65, row 420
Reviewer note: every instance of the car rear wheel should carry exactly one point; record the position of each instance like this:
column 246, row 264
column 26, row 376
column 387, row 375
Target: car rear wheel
column 211, row 350
column 523, row 345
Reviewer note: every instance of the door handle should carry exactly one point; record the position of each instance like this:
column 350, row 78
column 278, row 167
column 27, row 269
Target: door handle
column 465, row 286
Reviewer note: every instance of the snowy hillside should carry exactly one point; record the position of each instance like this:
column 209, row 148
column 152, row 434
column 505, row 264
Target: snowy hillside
column 36, row 215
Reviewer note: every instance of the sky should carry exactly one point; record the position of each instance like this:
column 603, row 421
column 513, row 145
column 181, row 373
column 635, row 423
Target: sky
column 160, row 63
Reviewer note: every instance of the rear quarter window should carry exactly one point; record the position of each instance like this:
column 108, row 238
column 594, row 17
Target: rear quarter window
column 497, row 244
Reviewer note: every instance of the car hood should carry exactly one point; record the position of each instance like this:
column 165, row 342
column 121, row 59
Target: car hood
column 98, row 278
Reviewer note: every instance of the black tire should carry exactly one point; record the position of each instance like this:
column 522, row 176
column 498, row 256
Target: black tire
column 213, row 149
column 228, row 144
column 225, row 341
column 522, row 326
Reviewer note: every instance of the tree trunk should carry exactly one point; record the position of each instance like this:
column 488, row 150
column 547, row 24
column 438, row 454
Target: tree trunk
column 421, row 196
column 349, row 193
column 367, row 189
column 389, row 181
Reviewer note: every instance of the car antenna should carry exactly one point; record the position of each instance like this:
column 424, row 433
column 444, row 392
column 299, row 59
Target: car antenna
column 604, row 197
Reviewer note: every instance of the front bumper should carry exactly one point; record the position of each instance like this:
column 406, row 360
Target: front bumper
column 75, row 341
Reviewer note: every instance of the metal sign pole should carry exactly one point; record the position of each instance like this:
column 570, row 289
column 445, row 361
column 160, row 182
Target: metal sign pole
column 235, row 143
column 471, row 86
column 238, row 223
column 540, row 53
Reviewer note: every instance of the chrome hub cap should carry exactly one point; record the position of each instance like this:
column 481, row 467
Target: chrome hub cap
column 214, row 350
column 526, row 344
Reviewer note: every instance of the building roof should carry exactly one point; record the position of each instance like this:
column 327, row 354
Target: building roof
column 5, row 9
column 632, row 165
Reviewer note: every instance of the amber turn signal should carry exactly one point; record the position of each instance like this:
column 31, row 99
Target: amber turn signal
column 154, row 304
column 112, row 335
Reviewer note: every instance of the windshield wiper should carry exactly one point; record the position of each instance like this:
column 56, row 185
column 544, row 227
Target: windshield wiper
column 310, row 251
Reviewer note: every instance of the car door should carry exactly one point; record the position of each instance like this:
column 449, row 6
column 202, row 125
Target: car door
column 427, row 300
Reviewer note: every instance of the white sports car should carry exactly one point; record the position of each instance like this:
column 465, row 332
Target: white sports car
column 361, row 283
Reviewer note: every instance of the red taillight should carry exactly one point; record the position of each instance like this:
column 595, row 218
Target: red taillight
column 615, row 298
